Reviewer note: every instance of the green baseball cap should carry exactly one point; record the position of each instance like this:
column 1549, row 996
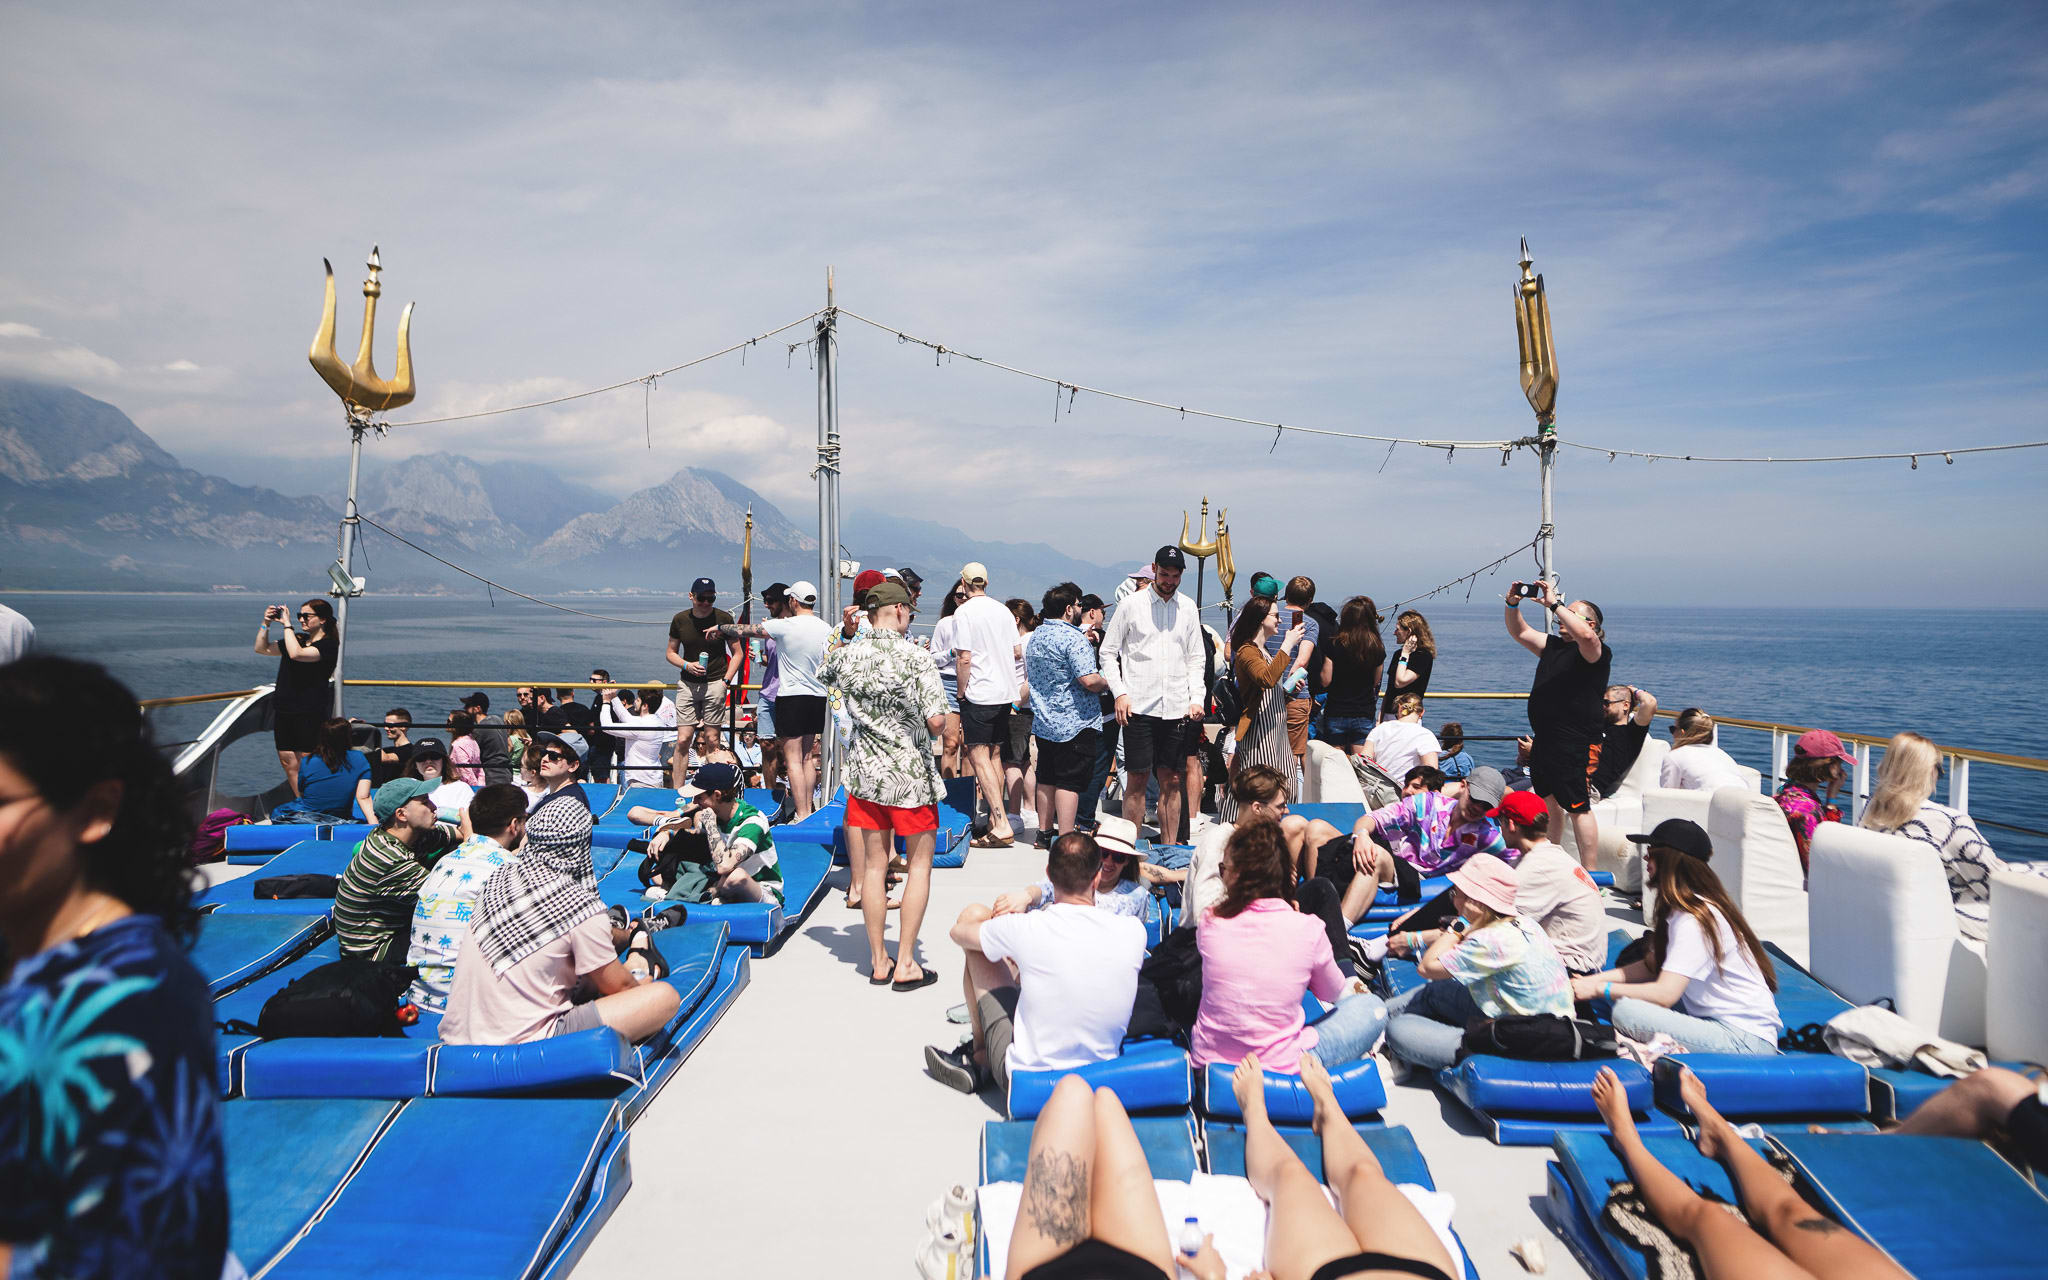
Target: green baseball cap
column 393, row 796
column 1266, row 585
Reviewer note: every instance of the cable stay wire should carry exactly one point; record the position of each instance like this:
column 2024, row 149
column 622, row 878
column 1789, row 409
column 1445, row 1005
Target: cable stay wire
column 1071, row 388
column 645, row 379
column 1946, row 452
column 1472, row 577
column 548, row 604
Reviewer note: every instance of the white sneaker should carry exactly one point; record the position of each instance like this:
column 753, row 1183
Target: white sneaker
column 941, row 1258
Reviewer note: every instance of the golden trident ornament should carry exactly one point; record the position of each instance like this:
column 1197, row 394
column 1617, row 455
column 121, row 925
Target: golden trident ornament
column 1539, row 354
column 1226, row 563
column 1201, row 551
column 358, row 385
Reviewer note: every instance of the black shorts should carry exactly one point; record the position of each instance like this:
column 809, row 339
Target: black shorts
column 1094, row 1259
column 1563, row 771
column 297, row 730
column 2027, row 1126
column 982, row 724
column 1334, row 863
column 799, row 715
column 1017, row 745
column 1152, row 744
column 1070, row 765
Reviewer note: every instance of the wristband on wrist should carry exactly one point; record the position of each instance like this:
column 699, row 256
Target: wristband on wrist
column 1607, row 990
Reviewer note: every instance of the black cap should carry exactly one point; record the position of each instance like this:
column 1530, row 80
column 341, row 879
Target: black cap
column 910, row 578
column 1169, row 557
column 716, row 776
column 775, row 591
column 703, row 587
column 478, row 699
column 1679, row 834
column 427, row 748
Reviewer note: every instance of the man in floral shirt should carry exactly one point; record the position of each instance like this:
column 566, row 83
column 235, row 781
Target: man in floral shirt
column 1066, row 692
column 890, row 689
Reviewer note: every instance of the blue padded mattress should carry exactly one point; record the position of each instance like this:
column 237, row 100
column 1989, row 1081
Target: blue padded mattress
column 257, row 841
column 286, row 1159
column 1358, row 1087
column 1169, row 1143
column 232, row 949
column 1527, row 1103
column 1744, row 1087
column 805, row 866
column 1589, row 1165
column 1151, row 1075
column 565, row 1147
column 307, row 857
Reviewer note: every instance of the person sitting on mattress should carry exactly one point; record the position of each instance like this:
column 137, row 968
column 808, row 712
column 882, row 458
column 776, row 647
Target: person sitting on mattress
column 1707, row 981
column 1047, row 990
column 447, row 897
column 1117, row 887
column 541, row 957
column 734, row 854
column 1424, row 833
column 373, row 900
column 1551, row 889
column 1260, row 953
column 1489, row 962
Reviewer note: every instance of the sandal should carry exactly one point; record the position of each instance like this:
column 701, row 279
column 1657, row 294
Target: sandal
column 992, row 842
column 922, row 980
column 883, row 976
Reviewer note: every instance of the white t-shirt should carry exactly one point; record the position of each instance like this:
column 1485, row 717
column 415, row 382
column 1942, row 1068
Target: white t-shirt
column 942, row 645
column 799, row 652
column 1552, row 889
column 1399, row 745
column 1700, row 767
column 1733, row 992
column 1077, row 975
column 1203, row 888
column 986, row 628
column 451, row 798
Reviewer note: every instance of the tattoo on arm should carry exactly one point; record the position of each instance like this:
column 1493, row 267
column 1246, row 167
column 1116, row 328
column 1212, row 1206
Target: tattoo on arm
column 1056, row 1197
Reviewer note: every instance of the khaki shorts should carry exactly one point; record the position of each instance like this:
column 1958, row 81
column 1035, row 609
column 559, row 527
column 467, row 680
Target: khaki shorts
column 998, row 1010
column 699, row 702
column 1298, row 712
column 578, row 1017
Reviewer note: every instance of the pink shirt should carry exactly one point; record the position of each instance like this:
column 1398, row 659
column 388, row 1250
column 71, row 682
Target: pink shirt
column 1255, row 966
column 464, row 759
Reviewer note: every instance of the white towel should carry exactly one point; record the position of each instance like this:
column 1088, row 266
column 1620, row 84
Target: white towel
column 1227, row 1208
column 1877, row 1037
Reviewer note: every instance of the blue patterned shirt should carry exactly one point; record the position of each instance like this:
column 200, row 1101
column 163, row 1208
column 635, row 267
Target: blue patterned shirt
column 1056, row 656
column 441, row 916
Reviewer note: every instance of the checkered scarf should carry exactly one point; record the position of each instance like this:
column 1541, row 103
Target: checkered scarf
column 550, row 890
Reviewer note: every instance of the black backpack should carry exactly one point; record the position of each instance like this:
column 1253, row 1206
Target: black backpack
column 1539, row 1037
column 346, row 997
column 306, row 885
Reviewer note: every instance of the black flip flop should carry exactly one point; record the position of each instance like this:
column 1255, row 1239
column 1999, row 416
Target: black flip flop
column 875, row 981
column 925, row 979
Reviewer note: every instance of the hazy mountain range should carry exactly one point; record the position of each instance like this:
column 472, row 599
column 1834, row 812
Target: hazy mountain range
column 88, row 501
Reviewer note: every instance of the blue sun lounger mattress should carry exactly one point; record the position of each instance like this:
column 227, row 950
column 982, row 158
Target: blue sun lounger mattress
column 286, row 1159
column 258, row 841
column 1360, row 1092
column 232, row 949
column 1149, row 1075
column 417, row 1064
column 753, row 924
column 307, row 857
column 1169, row 1143
column 570, row 1170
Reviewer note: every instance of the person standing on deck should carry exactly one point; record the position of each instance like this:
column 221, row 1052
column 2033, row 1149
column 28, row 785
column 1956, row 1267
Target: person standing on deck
column 1062, row 672
column 1564, row 707
column 800, row 639
column 695, row 651
column 494, row 744
column 1153, row 658
column 985, row 645
column 775, row 602
column 890, row 688
column 304, row 697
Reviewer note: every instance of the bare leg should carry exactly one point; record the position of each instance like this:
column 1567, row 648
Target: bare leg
column 1054, row 1215
column 289, row 762
column 1358, row 895
column 1820, row 1244
column 1045, row 801
column 1379, row 1216
column 1728, row 1249
column 917, row 889
column 738, row 886
column 988, row 775
column 1169, row 804
column 803, row 780
column 1134, row 800
column 1586, row 830
column 1304, row 1232
column 874, row 895
column 1973, row 1107
column 949, row 746
column 1123, row 1206
column 1301, row 851
column 1192, row 775
column 1066, row 809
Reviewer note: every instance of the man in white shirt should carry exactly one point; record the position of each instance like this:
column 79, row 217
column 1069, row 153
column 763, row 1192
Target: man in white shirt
column 799, row 637
column 986, row 647
column 1152, row 657
column 1048, row 990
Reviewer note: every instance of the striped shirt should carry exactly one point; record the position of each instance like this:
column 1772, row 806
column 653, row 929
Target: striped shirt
column 374, row 901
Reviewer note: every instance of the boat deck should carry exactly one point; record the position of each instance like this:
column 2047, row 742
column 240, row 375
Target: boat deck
column 804, row 1138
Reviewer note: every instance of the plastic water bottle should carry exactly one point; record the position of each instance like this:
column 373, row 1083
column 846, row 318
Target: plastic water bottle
column 1294, row 680
column 1190, row 1238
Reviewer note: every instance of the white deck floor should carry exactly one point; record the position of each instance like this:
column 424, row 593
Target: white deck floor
column 804, row 1139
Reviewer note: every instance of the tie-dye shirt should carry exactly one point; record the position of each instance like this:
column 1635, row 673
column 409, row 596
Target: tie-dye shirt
column 1510, row 967
column 1424, row 831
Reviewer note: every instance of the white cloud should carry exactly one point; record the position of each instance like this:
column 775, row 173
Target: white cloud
column 16, row 329
column 181, row 366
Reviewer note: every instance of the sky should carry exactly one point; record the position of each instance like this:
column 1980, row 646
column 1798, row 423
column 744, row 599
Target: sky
column 1764, row 229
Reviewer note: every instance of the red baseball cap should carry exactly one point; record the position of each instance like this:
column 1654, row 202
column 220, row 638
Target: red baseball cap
column 1523, row 806
column 867, row 578
column 1819, row 742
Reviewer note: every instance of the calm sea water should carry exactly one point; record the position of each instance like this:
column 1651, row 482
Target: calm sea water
column 1973, row 682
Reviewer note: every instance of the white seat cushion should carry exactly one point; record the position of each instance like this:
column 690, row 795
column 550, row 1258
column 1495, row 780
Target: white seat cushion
column 2016, row 957
column 1881, row 926
column 1328, row 778
column 1758, row 862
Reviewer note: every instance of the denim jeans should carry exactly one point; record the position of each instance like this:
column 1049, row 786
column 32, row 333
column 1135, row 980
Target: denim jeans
column 1351, row 1030
column 1641, row 1020
column 1345, row 731
column 1426, row 1026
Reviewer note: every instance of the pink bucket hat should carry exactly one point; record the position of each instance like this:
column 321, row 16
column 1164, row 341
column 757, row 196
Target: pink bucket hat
column 1488, row 881
column 1821, row 743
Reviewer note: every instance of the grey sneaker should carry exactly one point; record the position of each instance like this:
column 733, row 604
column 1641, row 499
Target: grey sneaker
column 666, row 918
column 956, row 1068
column 958, row 1014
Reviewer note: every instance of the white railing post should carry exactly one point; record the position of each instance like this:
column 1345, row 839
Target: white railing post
column 1959, row 783
column 1859, row 792
column 1780, row 751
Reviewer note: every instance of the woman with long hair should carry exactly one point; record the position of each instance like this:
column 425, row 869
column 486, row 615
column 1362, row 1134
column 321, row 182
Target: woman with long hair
column 1259, row 954
column 950, row 737
column 429, row 763
column 334, row 781
column 1489, row 962
column 1695, row 761
column 1352, row 663
column 465, row 753
column 110, row 1114
column 1707, row 981
column 305, row 670
column 517, row 739
column 1020, row 778
column 1414, row 659
column 1262, row 721
column 1902, row 803
column 1812, row 776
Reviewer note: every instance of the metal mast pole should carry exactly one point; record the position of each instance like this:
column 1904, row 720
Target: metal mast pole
column 1539, row 384
column 356, row 426
column 828, row 504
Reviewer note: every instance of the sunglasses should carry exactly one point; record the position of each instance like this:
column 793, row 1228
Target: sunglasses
column 308, row 614
column 561, row 757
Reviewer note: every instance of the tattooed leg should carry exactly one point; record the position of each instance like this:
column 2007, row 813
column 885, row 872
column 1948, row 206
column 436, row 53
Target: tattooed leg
column 1054, row 1215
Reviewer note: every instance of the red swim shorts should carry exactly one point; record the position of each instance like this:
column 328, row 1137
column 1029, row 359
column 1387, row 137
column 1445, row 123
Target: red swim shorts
column 869, row 816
